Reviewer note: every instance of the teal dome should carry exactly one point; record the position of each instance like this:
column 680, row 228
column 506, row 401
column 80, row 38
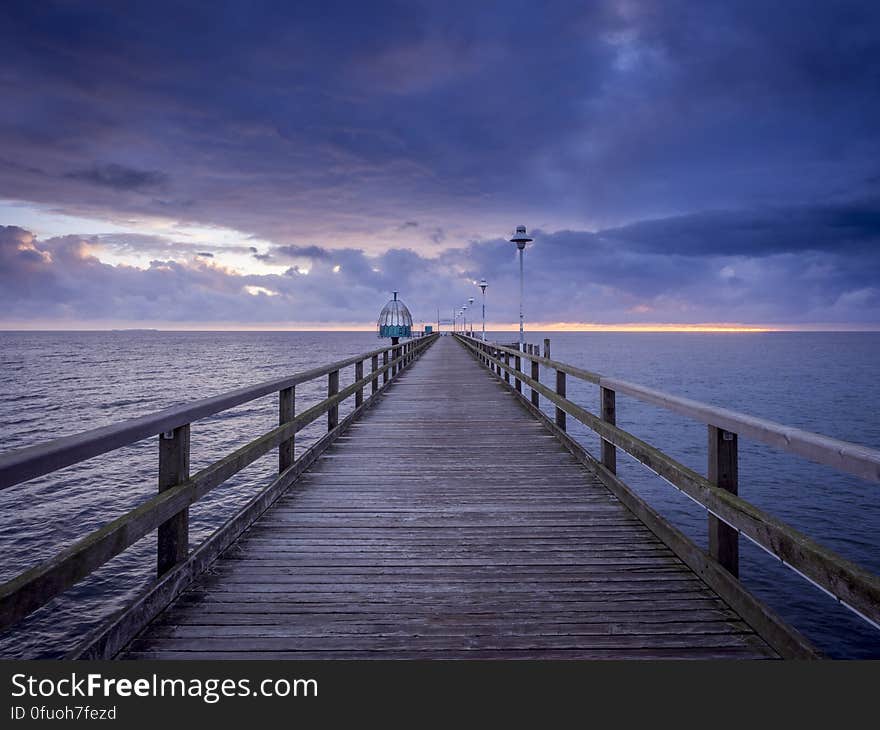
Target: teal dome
column 395, row 319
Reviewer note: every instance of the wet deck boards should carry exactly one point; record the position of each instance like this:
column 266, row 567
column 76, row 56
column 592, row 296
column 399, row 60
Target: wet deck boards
column 448, row 523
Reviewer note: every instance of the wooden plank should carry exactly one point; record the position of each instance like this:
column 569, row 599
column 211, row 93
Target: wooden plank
column 608, row 409
column 459, row 552
column 723, row 473
column 107, row 640
column 172, row 544
column 35, row 587
column 286, row 413
column 21, row 465
column 845, row 580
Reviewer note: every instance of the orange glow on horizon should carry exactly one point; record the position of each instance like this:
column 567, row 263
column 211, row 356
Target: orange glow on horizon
column 652, row 327
column 533, row 327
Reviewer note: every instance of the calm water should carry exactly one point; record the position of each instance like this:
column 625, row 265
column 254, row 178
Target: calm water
column 59, row 383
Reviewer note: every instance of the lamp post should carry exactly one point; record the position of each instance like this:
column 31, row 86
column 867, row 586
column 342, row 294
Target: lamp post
column 483, row 285
column 521, row 239
column 464, row 317
column 471, row 304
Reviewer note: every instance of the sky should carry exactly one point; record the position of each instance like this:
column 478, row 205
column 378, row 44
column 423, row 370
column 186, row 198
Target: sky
column 287, row 165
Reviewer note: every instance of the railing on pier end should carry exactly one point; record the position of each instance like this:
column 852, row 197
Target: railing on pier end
column 729, row 514
column 168, row 511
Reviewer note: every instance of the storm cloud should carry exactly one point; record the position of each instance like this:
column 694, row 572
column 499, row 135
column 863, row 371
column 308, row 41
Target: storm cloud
column 678, row 161
column 822, row 269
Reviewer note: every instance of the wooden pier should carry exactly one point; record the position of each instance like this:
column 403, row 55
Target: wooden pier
column 489, row 540
column 446, row 517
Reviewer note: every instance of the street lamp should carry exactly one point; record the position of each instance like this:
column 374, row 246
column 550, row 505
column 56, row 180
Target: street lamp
column 464, row 315
column 471, row 304
column 521, row 239
column 483, row 285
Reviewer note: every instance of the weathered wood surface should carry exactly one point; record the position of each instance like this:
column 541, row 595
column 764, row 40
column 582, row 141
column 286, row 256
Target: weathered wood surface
column 448, row 524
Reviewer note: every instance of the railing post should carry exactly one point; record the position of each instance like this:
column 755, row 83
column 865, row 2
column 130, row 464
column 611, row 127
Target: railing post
column 358, row 375
column 536, row 375
column 173, row 534
column 332, row 389
column 374, row 366
column 608, row 407
column 507, row 372
column 286, row 413
column 517, row 361
column 723, row 472
column 547, row 347
column 560, row 391
column 385, row 365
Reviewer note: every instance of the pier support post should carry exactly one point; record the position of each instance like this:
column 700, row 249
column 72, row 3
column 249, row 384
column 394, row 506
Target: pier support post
column 536, row 374
column 608, row 408
column 358, row 375
column 385, row 365
column 507, row 363
column 560, row 391
column 517, row 362
column 173, row 534
column 374, row 366
column 332, row 389
column 723, row 472
column 286, row 413
column 547, row 347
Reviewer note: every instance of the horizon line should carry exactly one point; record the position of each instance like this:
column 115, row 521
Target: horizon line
column 638, row 328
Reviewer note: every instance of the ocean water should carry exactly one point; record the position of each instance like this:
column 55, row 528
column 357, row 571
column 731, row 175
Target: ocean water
column 55, row 384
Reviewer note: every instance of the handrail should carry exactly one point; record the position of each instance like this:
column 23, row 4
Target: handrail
column 579, row 373
column 855, row 587
column 21, row 465
column 35, row 587
column 856, row 459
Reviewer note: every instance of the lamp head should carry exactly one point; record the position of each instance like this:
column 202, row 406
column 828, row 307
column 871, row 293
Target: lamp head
column 520, row 238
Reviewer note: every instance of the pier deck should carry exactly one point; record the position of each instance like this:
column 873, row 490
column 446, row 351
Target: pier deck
column 447, row 522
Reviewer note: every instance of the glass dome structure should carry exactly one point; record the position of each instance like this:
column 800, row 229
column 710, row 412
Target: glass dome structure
column 395, row 319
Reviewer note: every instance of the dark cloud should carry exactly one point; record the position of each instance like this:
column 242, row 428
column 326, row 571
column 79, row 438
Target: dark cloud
column 336, row 121
column 686, row 270
column 680, row 160
column 311, row 252
column 118, row 177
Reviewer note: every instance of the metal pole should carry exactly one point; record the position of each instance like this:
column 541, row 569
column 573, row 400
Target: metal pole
column 522, row 338
column 484, row 314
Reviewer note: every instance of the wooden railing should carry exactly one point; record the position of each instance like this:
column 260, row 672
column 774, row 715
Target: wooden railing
column 168, row 511
column 729, row 514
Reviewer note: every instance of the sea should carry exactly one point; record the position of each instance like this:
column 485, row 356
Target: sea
column 57, row 383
